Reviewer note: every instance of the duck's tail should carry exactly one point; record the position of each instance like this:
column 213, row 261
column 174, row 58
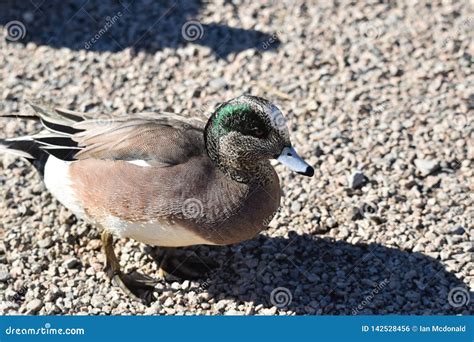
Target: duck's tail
column 37, row 148
column 26, row 148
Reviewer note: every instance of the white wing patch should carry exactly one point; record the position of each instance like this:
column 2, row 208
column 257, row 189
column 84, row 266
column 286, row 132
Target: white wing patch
column 58, row 182
column 139, row 162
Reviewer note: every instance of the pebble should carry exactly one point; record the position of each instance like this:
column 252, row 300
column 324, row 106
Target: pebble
column 331, row 223
column 426, row 167
column 72, row 263
column 34, row 306
column 175, row 285
column 357, row 180
column 97, row 301
column 218, row 83
column 185, row 285
column 168, row 302
column 4, row 276
column 269, row 312
column 458, row 230
column 295, row 207
column 45, row 243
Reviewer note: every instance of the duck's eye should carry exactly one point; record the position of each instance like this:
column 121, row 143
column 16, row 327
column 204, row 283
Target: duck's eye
column 258, row 133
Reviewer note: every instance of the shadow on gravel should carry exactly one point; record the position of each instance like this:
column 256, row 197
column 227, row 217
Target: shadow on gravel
column 311, row 275
column 114, row 25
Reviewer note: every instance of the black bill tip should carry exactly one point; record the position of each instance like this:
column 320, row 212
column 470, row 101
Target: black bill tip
column 308, row 172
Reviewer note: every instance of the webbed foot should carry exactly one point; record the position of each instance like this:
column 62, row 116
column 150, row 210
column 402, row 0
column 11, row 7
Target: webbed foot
column 134, row 284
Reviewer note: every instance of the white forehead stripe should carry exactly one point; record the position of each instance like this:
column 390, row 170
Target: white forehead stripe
column 278, row 120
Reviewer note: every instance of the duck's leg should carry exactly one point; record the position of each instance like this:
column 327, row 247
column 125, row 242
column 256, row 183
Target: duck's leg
column 183, row 264
column 135, row 285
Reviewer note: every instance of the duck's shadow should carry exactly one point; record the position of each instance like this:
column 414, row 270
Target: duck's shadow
column 115, row 25
column 314, row 275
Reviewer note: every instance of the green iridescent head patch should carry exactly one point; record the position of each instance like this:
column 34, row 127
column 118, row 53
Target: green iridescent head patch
column 227, row 111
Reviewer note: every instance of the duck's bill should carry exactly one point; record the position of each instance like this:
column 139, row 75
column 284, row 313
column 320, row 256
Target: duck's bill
column 294, row 162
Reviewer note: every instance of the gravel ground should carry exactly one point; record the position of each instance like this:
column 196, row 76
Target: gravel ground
column 380, row 99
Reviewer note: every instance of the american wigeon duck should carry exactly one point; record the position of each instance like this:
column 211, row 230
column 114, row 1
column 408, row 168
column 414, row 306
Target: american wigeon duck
column 163, row 179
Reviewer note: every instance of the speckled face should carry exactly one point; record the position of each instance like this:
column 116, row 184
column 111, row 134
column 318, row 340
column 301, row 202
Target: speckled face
column 245, row 130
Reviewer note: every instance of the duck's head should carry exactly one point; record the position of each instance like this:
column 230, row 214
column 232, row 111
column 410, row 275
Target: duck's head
column 247, row 130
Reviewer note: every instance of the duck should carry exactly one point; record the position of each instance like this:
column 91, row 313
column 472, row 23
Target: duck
column 163, row 179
